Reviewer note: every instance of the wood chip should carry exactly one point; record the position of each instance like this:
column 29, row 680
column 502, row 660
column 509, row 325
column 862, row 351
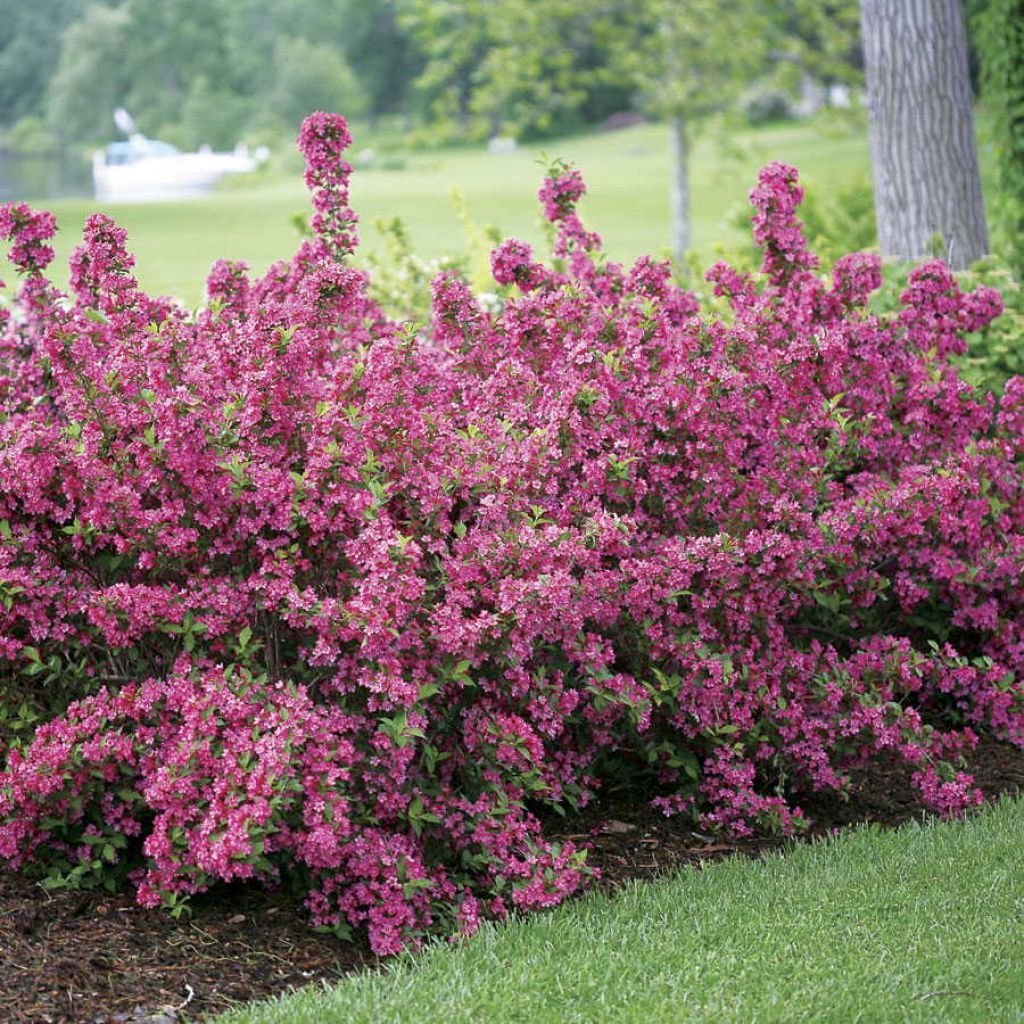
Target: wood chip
column 615, row 827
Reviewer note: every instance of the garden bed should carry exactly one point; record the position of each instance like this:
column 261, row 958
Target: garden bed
column 92, row 958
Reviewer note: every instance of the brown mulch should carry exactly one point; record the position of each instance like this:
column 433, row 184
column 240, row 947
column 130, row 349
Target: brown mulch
column 93, row 958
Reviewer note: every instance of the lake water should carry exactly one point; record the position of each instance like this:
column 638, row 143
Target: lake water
column 34, row 177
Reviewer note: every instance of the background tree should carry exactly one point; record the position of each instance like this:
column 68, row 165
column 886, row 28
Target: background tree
column 453, row 39
column 924, row 157
column 30, row 46
column 197, row 71
column 91, row 79
column 690, row 60
column 550, row 67
column 212, row 115
column 211, row 70
column 171, row 45
column 381, row 53
column 819, row 38
column 310, row 76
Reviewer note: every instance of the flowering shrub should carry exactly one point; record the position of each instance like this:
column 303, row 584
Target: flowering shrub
column 293, row 592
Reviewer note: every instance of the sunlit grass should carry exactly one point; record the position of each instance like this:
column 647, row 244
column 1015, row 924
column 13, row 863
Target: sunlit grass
column 627, row 173
column 924, row 924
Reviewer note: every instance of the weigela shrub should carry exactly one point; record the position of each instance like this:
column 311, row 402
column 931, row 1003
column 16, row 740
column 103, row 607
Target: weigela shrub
column 293, row 592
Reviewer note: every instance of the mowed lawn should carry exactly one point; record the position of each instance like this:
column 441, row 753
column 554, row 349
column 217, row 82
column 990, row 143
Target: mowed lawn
column 627, row 173
column 922, row 924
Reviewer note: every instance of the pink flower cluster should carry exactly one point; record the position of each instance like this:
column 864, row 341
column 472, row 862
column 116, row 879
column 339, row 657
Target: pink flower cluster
column 299, row 592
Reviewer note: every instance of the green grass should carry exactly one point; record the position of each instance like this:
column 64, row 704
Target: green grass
column 921, row 924
column 627, row 173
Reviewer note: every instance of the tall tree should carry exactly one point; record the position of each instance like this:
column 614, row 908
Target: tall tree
column 30, row 43
column 549, row 67
column 530, row 66
column 692, row 59
column 924, row 156
column 310, row 77
column 818, row 37
column 171, row 44
column 454, row 37
column 91, row 79
column 381, row 52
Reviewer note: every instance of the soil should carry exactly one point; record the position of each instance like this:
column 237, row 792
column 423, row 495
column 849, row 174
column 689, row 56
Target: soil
column 93, row 958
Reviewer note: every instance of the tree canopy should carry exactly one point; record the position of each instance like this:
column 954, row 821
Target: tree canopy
column 210, row 71
column 198, row 71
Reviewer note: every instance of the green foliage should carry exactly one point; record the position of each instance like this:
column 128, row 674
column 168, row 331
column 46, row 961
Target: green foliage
column 452, row 39
column 28, row 136
column 211, row 116
column 551, row 67
column 206, row 70
column 841, row 219
column 532, row 69
column 30, row 46
column 90, row 78
column 996, row 353
column 168, row 46
column 690, row 60
column 215, row 71
column 309, row 76
column 999, row 38
column 819, row 37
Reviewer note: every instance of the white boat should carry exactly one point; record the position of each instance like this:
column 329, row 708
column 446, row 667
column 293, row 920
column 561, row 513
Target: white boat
column 141, row 170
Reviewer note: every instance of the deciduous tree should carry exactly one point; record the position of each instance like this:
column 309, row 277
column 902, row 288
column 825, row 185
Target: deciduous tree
column 694, row 63
column 30, row 43
column 927, row 184
column 90, row 80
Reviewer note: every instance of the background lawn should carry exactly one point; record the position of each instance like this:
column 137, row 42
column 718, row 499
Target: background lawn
column 626, row 171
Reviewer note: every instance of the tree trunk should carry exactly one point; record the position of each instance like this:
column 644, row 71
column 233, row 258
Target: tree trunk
column 679, row 186
column 927, row 186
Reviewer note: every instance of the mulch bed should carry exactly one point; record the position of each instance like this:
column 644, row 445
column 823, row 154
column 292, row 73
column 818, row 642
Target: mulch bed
column 92, row 958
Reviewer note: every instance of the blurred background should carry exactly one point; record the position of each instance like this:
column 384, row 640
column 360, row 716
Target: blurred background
column 452, row 104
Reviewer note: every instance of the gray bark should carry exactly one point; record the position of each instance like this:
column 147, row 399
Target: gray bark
column 679, row 186
column 925, row 162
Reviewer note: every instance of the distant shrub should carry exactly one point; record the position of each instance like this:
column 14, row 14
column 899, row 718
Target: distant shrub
column 292, row 591
column 766, row 105
column 29, row 136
